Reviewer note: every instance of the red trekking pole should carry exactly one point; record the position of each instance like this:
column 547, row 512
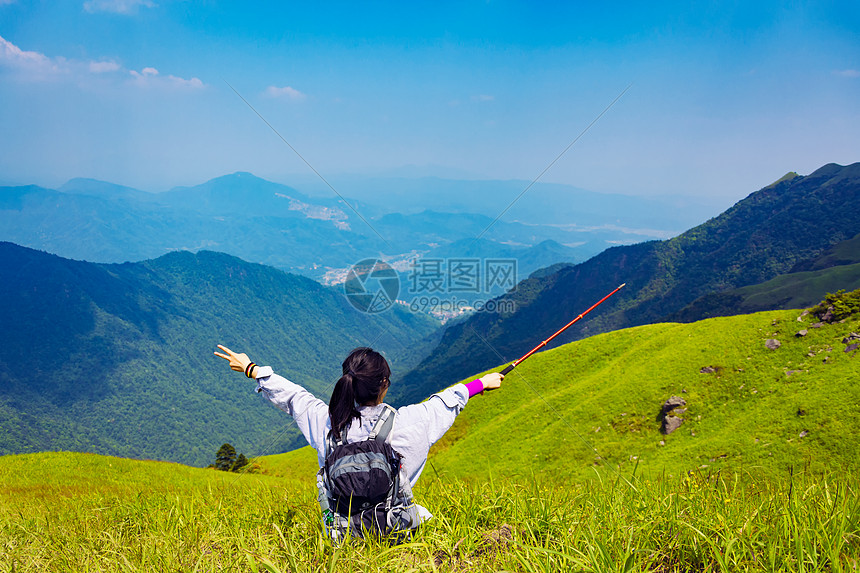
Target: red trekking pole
column 515, row 363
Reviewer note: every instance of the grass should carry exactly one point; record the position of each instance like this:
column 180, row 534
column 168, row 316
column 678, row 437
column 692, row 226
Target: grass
column 594, row 403
column 562, row 469
column 104, row 514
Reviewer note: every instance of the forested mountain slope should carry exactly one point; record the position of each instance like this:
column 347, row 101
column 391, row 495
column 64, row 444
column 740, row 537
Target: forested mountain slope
column 765, row 235
column 118, row 359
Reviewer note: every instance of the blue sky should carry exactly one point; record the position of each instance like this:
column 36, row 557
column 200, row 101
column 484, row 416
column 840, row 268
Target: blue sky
column 723, row 99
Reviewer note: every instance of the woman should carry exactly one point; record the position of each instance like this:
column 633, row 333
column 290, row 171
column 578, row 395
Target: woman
column 351, row 416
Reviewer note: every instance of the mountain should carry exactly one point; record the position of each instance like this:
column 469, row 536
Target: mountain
column 837, row 268
column 118, row 358
column 767, row 234
column 280, row 226
column 535, row 203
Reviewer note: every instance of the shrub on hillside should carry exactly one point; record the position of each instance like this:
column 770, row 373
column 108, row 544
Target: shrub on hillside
column 837, row 306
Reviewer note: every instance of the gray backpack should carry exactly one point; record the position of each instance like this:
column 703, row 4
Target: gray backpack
column 360, row 485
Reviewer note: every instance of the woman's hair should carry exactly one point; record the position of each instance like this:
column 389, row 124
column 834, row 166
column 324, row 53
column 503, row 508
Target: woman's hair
column 365, row 378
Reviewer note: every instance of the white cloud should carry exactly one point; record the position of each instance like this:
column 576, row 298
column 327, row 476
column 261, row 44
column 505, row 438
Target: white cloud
column 34, row 66
column 483, row 97
column 847, row 73
column 12, row 55
column 4, row 2
column 149, row 77
column 116, row 6
column 285, row 92
column 103, row 67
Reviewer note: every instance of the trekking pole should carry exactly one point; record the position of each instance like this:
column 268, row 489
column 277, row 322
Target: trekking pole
column 515, row 363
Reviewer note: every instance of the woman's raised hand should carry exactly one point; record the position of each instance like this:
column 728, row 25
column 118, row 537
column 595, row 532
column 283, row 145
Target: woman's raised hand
column 492, row 380
column 238, row 362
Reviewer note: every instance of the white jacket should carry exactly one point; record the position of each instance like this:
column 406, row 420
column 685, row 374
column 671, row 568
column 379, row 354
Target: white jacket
column 416, row 428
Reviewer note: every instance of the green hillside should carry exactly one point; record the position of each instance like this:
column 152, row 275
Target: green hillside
column 792, row 290
column 118, row 359
column 81, row 512
column 524, row 481
column 595, row 403
column 767, row 234
column 843, row 253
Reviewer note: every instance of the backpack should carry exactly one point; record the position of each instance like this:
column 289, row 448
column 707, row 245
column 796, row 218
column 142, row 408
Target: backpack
column 360, row 487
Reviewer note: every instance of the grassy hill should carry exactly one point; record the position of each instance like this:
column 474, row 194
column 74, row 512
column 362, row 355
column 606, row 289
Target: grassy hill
column 594, row 404
column 761, row 237
column 735, row 488
column 82, row 512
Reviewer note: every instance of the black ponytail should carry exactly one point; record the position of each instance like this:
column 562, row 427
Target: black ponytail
column 364, row 379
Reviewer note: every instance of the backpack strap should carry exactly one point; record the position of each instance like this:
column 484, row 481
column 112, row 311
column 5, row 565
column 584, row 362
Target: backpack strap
column 382, row 427
column 380, row 431
column 331, row 443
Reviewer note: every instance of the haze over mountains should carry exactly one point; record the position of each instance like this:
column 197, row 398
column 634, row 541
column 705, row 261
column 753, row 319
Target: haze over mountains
column 278, row 225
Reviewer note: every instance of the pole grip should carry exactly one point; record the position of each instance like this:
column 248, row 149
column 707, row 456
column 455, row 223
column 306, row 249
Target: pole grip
column 507, row 369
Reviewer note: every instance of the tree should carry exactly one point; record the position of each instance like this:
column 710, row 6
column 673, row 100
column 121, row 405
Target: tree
column 225, row 459
column 241, row 462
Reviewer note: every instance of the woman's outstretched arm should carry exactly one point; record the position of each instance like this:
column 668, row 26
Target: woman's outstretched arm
column 309, row 412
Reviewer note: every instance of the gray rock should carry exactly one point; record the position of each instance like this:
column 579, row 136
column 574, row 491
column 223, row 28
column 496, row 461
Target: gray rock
column 670, row 424
column 851, row 337
column 672, row 403
column 707, row 370
column 817, row 325
column 772, row 343
column 852, row 347
column 802, row 333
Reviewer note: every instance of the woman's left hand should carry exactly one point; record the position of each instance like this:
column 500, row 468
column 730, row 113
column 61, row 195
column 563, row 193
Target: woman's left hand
column 238, row 362
column 492, row 381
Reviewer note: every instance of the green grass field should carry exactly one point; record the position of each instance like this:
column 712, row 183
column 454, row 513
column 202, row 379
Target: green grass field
column 560, row 470
column 594, row 403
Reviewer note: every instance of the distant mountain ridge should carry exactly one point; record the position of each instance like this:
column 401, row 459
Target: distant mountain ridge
column 278, row 225
column 761, row 237
column 118, row 358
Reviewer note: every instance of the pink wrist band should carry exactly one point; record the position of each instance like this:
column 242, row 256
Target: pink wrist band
column 475, row 387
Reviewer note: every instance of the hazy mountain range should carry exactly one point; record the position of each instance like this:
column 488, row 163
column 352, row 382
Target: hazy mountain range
column 279, row 225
